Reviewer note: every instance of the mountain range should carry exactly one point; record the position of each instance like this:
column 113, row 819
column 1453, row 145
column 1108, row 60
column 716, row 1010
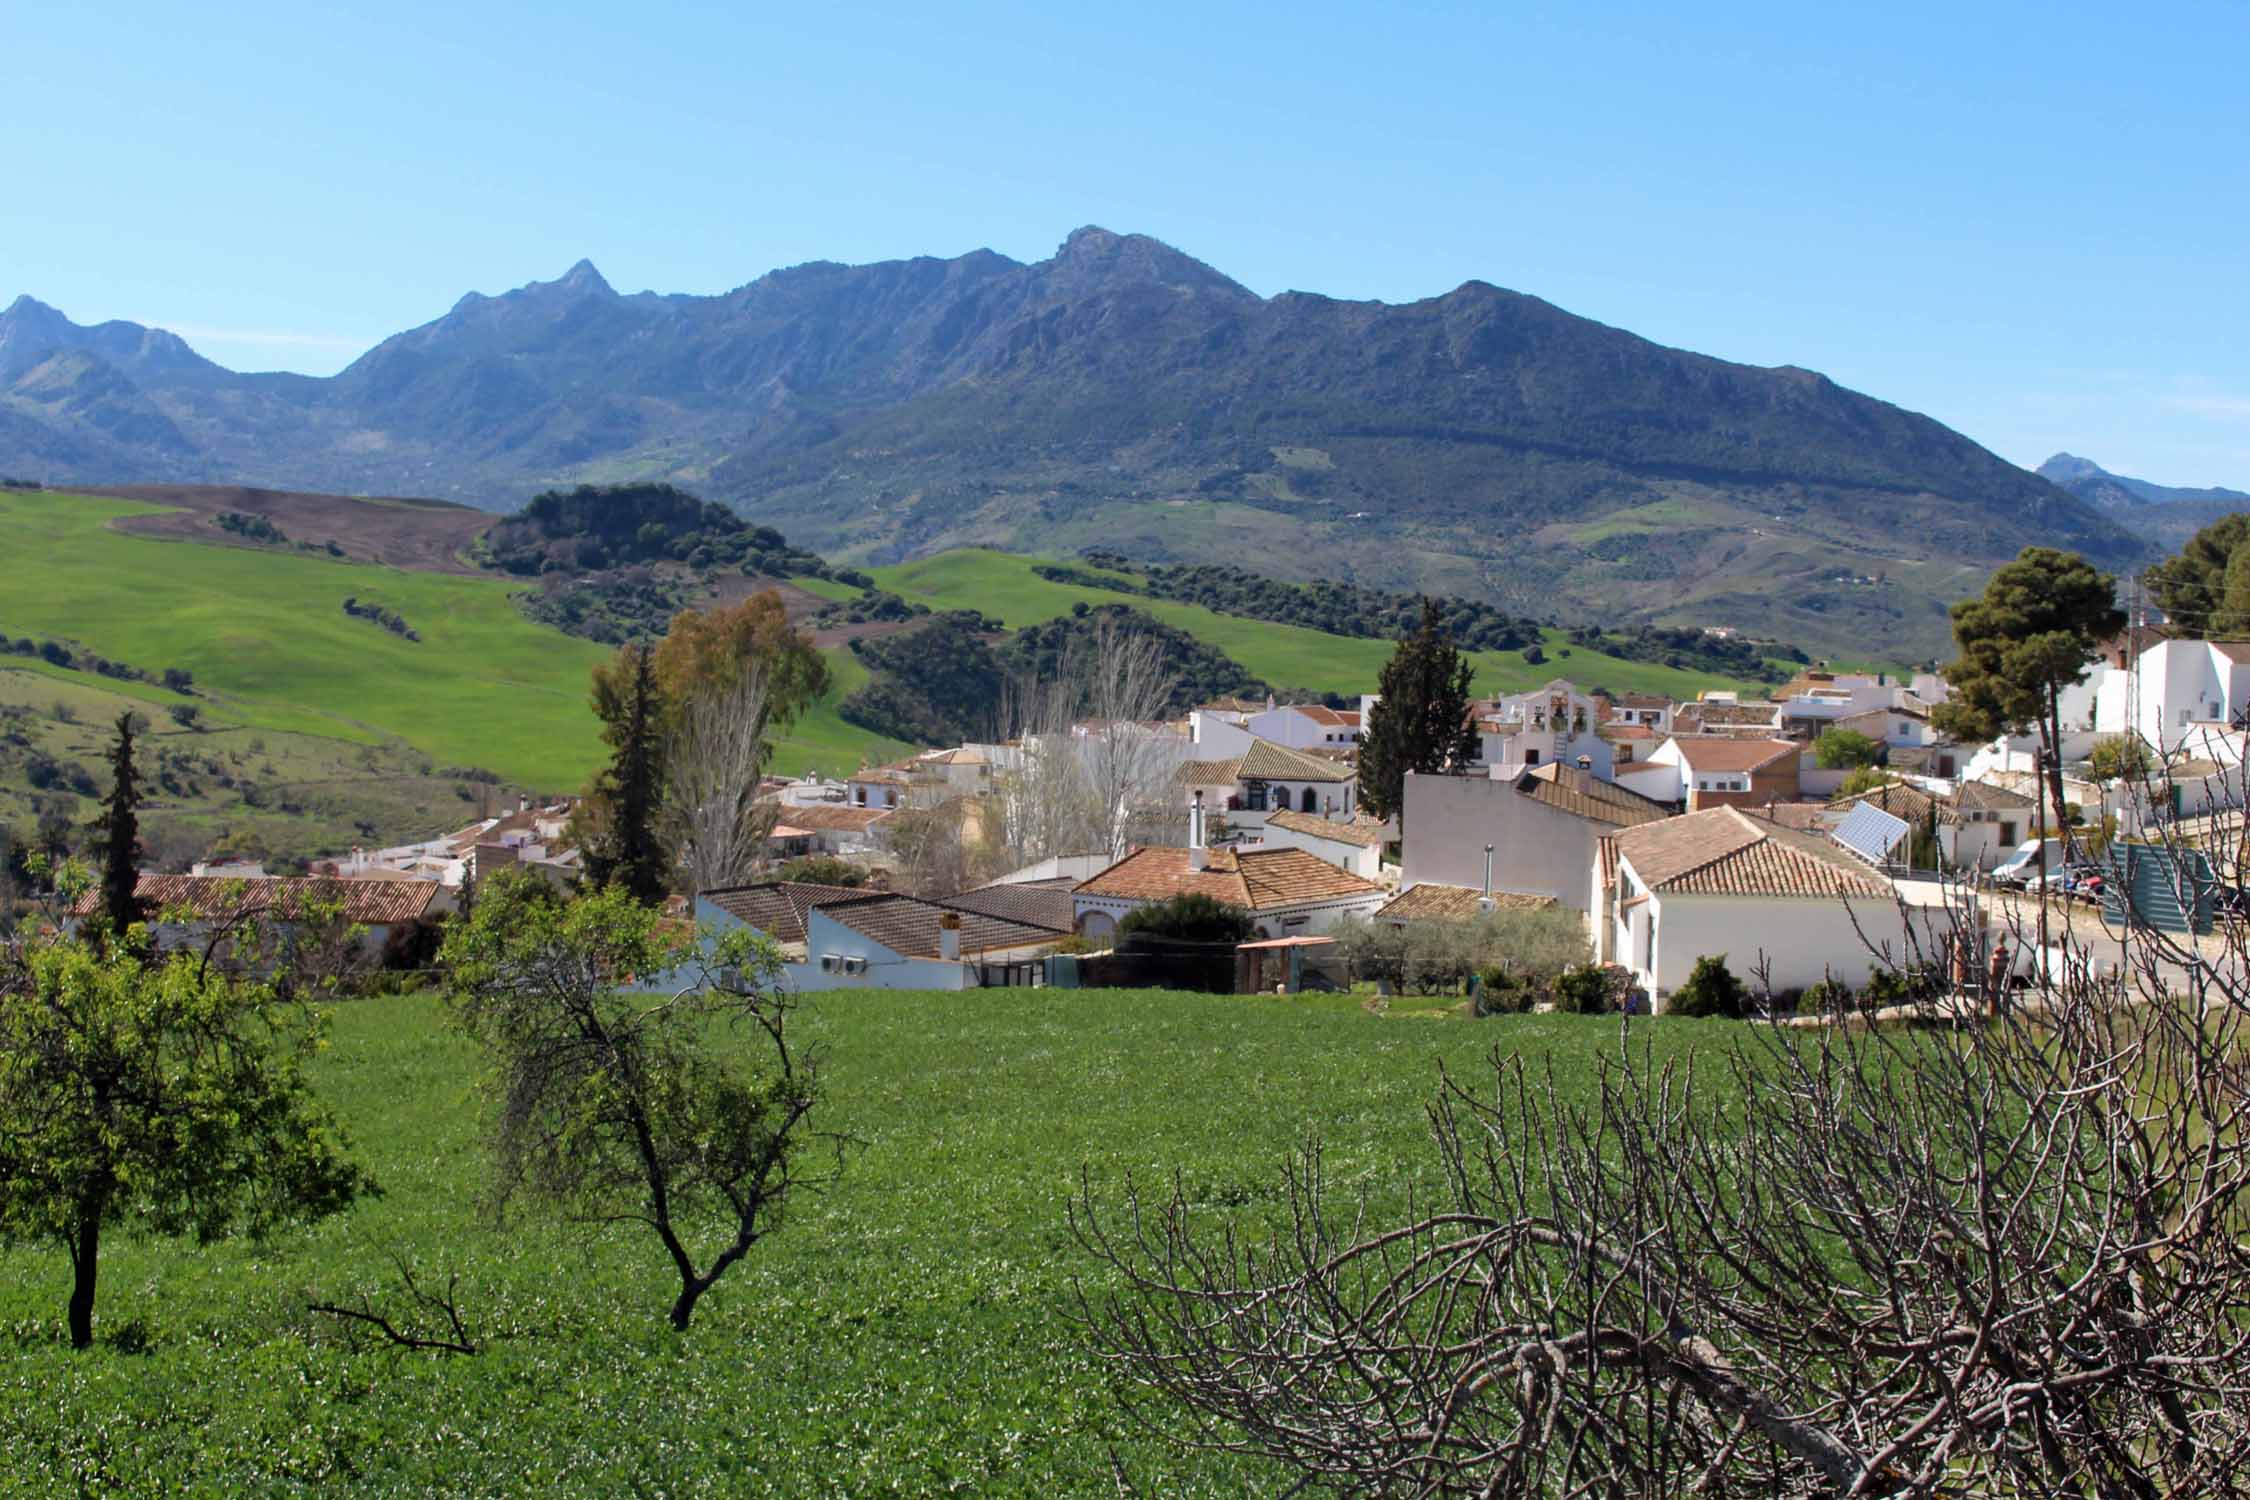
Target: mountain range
column 1125, row 395
column 2165, row 514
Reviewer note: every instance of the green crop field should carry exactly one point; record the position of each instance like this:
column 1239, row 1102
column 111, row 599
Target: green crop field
column 908, row 1332
column 1002, row 585
column 265, row 633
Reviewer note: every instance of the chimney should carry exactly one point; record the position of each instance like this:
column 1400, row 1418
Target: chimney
column 1198, row 856
column 1585, row 762
column 949, row 937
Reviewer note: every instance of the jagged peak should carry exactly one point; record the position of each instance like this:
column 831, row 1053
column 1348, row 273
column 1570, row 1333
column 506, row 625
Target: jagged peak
column 582, row 277
column 28, row 306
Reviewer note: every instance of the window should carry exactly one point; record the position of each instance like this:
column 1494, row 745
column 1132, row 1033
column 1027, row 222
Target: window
column 1531, row 757
column 1257, row 796
column 1309, row 804
column 2008, row 833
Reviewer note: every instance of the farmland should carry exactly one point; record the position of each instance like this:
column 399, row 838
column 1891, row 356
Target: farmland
column 908, row 1332
column 265, row 634
column 1004, row 586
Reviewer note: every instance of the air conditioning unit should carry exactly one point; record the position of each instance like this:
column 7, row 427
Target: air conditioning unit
column 855, row 965
column 829, row 963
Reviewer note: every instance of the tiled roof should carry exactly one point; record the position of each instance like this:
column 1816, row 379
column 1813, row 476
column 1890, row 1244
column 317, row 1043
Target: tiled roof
column 1582, row 794
column 1725, row 852
column 1267, row 761
column 1643, row 700
column 1805, row 817
column 1736, row 714
column 1430, row 902
column 2237, row 652
column 1233, row 706
column 1255, row 879
column 909, row 926
column 777, row 908
column 1047, row 904
column 1208, row 772
column 1358, row 830
column 1983, row 796
column 836, row 817
column 1900, row 801
column 1334, row 718
column 374, row 902
column 1719, row 753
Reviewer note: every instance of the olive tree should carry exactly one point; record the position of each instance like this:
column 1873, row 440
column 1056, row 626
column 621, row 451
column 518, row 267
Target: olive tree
column 154, row 1095
column 638, row 1077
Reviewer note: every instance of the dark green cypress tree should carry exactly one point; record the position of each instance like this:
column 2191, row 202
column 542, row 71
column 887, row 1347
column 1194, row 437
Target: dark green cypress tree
column 117, row 835
column 629, row 852
column 1421, row 723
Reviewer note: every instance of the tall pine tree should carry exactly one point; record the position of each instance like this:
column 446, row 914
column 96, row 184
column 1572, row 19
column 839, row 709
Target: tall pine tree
column 627, row 850
column 117, row 836
column 1421, row 723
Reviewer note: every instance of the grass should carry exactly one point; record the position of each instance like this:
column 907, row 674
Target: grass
column 1289, row 656
column 265, row 634
column 907, row 1333
column 316, row 793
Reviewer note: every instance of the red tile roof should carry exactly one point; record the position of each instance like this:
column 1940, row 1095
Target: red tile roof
column 1254, row 879
column 1359, row 830
column 372, row 902
column 1582, row 794
column 1431, row 902
column 908, row 926
column 1725, row 852
column 1720, row 753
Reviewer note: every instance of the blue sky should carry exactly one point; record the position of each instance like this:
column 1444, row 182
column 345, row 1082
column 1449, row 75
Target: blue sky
column 2031, row 222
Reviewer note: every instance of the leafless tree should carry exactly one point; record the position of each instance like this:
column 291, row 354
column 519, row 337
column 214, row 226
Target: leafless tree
column 2010, row 1259
column 430, row 1321
column 718, row 745
column 1129, row 759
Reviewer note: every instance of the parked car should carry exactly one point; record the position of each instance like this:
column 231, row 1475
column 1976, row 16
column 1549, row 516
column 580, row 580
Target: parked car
column 2033, row 858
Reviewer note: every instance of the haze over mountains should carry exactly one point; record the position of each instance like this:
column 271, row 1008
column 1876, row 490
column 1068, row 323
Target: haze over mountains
column 1119, row 394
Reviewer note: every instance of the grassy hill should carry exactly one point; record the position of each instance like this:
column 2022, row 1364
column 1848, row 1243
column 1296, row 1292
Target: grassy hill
column 908, row 1332
column 1004, row 586
column 266, row 635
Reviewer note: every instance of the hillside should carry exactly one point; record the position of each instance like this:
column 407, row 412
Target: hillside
column 1120, row 395
column 274, row 657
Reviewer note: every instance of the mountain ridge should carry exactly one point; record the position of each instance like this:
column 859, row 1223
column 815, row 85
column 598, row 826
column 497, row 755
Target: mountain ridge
column 1122, row 393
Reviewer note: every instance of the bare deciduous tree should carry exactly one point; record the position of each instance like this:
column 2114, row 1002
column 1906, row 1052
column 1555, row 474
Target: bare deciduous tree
column 715, row 753
column 2012, row 1260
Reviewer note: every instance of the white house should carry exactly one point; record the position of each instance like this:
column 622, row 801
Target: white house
column 1307, row 726
column 1554, row 724
column 1723, row 882
column 1267, row 778
column 1353, row 843
column 2181, row 686
column 1704, row 770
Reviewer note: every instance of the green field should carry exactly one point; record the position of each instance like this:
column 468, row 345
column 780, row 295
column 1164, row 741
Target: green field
column 1002, row 585
column 266, row 635
column 907, row 1333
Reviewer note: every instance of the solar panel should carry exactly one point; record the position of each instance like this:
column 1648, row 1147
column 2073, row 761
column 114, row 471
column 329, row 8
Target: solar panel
column 1870, row 833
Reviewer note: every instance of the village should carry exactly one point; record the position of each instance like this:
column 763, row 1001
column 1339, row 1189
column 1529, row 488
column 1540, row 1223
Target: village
column 1819, row 835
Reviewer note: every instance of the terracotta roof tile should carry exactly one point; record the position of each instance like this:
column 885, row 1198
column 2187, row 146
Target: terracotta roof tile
column 1254, row 879
column 1048, row 904
column 1725, row 852
column 1431, row 902
column 1267, row 761
column 835, row 817
column 1358, row 830
column 1720, row 753
column 1582, row 794
column 374, row 902
column 908, row 926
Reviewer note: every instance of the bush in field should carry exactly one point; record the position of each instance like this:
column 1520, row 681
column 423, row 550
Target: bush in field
column 1190, row 918
column 1437, row 957
column 1711, row 990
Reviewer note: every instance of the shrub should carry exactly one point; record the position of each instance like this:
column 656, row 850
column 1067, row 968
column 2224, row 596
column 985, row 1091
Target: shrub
column 412, row 947
column 185, row 715
column 1829, row 997
column 1592, row 989
column 1503, row 992
column 1190, row 918
column 1711, row 990
column 824, row 869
